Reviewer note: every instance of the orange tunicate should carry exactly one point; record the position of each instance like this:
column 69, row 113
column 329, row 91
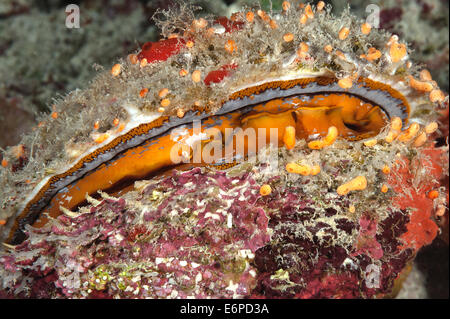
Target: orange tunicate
column 54, row 115
column 115, row 70
column 397, row 52
column 425, row 75
column 183, row 72
column 2, row 222
column 250, row 16
column 289, row 137
column 165, row 102
column 143, row 92
column 419, row 85
column 366, row 28
column 384, row 188
column 263, row 15
column 331, row 136
column 302, row 50
column 286, row 5
column 196, row 76
column 190, row 44
column 304, row 47
column 420, row 140
column 358, row 183
column 230, row 46
column 265, row 190
column 396, row 123
column 345, row 83
column 391, row 135
column 436, row 96
column 273, row 24
column 409, row 133
column 133, row 58
column 143, row 63
column 371, row 142
column 101, row 138
column 343, row 33
column 4, row 163
column 163, row 92
column 120, row 128
column 433, row 194
column 320, row 5
column 372, row 54
column 396, row 126
column 298, row 169
column 308, row 11
column 431, row 127
column 328, row 48
column 326, row 141
column 303, row 19
column 315, row 169
column 386, row 169
column 288, row 37
column 116, row 122
column 96, row 125
column 161, row 109
column 316, row 145
column 180, row 113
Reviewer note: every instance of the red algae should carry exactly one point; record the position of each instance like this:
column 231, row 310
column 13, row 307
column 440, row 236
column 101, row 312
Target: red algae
column 421, row 228
column 230, row 26
column 218, row 75
column 161, row 50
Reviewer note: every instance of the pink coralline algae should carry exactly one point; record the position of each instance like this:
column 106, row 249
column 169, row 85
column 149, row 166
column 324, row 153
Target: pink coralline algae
column 186, row 242
column 319, row 264
column 366, row 242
